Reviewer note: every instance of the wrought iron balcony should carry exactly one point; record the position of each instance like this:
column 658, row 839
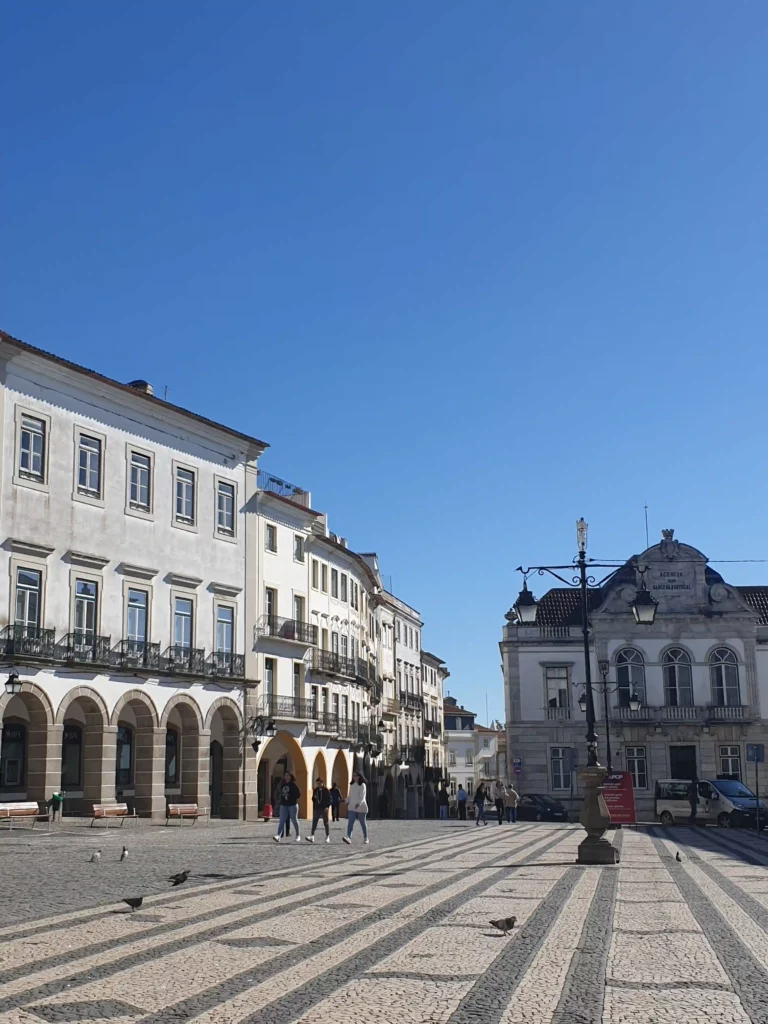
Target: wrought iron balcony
column 327, row 721
column 279, row 628
column 413, row 754
column 366, row 671
column 558, row 714
column 266, row 482
column 334, row 664
column 137, row 655
column 178, row 660
column 411, row 701
column 432, row 727
column 28, row 642
column 347, row 729
column 390, row 706
column 80, row 648
column 272, row 706
column 223, row 665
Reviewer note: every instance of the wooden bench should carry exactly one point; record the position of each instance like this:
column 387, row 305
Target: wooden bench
column 23, row 812
column 182, row 811
column 108, row 812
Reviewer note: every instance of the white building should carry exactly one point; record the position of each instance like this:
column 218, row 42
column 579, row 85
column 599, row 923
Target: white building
column 460, row 745
column 700, row 673
column 434, row 672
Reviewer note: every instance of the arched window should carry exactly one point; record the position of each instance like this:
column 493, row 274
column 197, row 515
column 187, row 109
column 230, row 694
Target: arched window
column 171, row 757
column 678, row 684
column 124, row 761
column 71, row 757
column 630, row 675
column 724, row 678
column 13, row 755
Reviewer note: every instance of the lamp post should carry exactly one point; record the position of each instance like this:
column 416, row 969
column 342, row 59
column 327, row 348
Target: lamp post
column 13, row 684
column 634, row 704
column 594, row 815
column 260, row 726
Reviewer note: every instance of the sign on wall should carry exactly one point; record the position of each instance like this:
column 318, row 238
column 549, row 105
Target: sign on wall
column 517, row 765
column 756, row 753
column 619, row 796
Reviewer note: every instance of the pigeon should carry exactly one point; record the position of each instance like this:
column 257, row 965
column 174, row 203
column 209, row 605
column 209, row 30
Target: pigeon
column 124, row 854
column 134, row 902
column 180, row 878
column 96, row 857
column 678, row 858
column 504, row 924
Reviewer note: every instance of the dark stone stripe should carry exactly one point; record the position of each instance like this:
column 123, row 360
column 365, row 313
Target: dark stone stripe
column 748, row 904
column 105, row 970
column 661, row 986
column 290, row 1007
column 732, row 843
column 748, row 976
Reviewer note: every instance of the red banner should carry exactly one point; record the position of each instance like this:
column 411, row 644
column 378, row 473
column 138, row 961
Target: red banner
column 619, row 798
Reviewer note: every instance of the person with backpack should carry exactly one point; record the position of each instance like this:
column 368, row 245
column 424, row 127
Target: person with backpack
column 321, row 801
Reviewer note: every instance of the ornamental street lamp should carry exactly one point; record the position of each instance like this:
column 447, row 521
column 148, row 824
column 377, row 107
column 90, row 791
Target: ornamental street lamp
column 594, row 816
column 634, row 703
column 261, row 726
column 13, row 684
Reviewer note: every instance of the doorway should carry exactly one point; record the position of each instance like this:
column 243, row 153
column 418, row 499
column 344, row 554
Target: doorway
column 216, row 777
column 682, row 762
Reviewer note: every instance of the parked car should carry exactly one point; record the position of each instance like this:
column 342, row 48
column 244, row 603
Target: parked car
column 725, row 802
column 537, row 807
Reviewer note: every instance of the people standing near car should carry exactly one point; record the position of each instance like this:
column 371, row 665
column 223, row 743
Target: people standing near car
column 336, row 799
column 443, row 800
column 461, row 803
column 321, row 801
column 289, row 807
column 499, row 793
column 510, row 802
column 357, row 807
column 479, row 802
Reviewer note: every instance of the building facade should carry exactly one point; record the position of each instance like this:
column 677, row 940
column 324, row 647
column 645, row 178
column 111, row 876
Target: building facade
column 460, row 745
column 700, row 673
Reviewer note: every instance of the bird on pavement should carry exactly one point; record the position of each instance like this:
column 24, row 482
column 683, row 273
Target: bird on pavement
column 504, row 924
column 180, row 878
column 124, row 854
column 134, row 902
column 96, row 857
column 678, row 858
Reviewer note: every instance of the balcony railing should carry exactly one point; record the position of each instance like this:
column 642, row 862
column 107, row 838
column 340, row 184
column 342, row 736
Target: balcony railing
column 413, row 754
column 558, row 714
column 83, row 649
column 279, row 628
column 629, row 715
column 287, row 707
column 390, row 706
column 432, row 727
column 347, row 729
column 734, row 713
column 333, row 664
column 223, row 665
column 366, row 671
column 411, row 701
column 693, row 713
column 327, row 721
column 28, row 642
column 266, row 482
column 137, row 655
column 178, row 660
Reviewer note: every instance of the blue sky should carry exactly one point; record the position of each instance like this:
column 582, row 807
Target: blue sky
column 473, row 270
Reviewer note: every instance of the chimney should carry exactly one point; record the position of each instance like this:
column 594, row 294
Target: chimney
column 142, row 385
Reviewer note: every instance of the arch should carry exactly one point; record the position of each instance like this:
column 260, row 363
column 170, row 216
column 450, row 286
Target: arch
column 279, row 754
column 187, row 706
column 83, row 769
column 139, row 764
column 140, row 702
column 38, row 758
column 225, row 757
column 319, row 769
column 340, row 772
column 676, row 668
column 90, row 695
column 630, row 675
column 32, row 690
column 186, row 763
column 724, row 677
column 223, row 702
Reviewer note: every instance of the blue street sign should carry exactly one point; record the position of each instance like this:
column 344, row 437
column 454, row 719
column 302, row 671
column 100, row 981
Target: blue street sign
column 517, row 762
column 756, row 753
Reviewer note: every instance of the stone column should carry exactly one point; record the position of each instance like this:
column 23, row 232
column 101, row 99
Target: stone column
column 595, row 849
column 99, row 765
column 149, row 772
column 195, row 769
column 43, row 761
column 251, row 783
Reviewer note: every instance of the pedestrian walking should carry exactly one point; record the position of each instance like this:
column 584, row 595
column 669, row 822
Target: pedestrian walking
column 289, row 807
column 510, row 802
column 499, row 793
column 479, row 802
column 461, row 803
column 442, row 799
column 321, row 801
column 357, row 806
column 693, row 800
column 335, row 801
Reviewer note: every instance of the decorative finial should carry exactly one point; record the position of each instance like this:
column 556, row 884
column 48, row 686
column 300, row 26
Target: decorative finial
column 668, row 534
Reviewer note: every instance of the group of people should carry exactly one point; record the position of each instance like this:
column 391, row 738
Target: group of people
column 323, row 801
column 505, row 800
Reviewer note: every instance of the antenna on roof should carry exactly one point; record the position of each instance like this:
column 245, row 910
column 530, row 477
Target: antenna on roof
column 647, row 542
column 165, row 393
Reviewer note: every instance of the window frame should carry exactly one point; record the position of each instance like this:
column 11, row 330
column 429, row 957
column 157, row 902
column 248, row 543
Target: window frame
column 11, row 722
column 86, row 498
column 665, row 664
column 183, row 595
column 315, row 574
column 20, row 477
column 33, row 563
column 189, row 525
column 547, row 667
column 722, row 758
column 231, row 606
column 720, row 665
column 175, row 782
column 323, row 577
column 145, row 588
column 344, row 588
column 633, row 666
column 270, row 528
column 72, row 787
column 272, row 689
column 564, row 757
column 299, row 544
column 335, row 583
column 219, row 534
column 139, row 512
column 119, row 744
column 633, row 760
column 77, row 576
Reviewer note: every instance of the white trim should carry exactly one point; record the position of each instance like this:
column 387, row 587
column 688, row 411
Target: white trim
column 42, row 484
column 181, row 524
column 140, row 572
column 86, row 560
column 139, row 513
column 77, row 495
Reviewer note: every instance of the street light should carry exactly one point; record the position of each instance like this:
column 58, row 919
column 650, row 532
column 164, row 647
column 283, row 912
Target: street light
column 13, row 684
column 526, row 606
column 261, row 726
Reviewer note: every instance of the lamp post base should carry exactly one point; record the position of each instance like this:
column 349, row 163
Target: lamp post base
column 594, row 817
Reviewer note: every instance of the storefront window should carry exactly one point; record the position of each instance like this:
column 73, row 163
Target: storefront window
column 71, row 757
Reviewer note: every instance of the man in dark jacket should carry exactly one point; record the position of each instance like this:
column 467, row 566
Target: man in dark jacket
column 289, row 806
column 321, row 801
column 442, row 799
column 335, row 802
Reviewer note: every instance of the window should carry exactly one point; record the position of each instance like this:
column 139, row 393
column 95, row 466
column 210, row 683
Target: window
column 486, row 743
column 136, row 617
column 324, row 578
column 13, row 750
column 410, row 637
column 124, row 762
column 269, row 676
column 315, row 574
column 345, row 707
column 270, row 604
column 28, row 598
column 225, row 508
column 225, row 629
column 344, row 645
column 397, row 627
column 724, row 678
column 334, row 582
column 140, row 495
column 416, row 639
column 637, row 766
column 298, row 608
column 324, row 639
column 468, row 759
column 315, row 700
column 630, row 676
column 171, row 757
column 560, row 764
column 355, row 596
column 399, row 679
column 344, row 587
column 557, row 686
column 678, row 688
column 270, row 538
column 730, row 763
column 185, row 496
column 86, row 608
column 298, row 547
column 71, row 757
column 325, row 700
column 334, row 643
column 89, row 466
column 297, row 680
column 182, row 622
column 335, row 704
column 32, row 449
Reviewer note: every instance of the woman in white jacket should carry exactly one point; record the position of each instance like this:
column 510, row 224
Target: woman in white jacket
column 357, row 807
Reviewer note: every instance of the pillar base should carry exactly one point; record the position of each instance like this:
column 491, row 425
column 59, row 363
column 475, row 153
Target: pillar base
column 597, row 852
column 594, row 817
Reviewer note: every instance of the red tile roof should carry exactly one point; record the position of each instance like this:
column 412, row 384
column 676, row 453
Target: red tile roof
column 757, row 597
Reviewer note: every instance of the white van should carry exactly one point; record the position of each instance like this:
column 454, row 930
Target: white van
column 724, row 802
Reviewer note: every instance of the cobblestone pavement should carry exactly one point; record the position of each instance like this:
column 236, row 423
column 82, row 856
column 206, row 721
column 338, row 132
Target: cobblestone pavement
column 392, row 932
